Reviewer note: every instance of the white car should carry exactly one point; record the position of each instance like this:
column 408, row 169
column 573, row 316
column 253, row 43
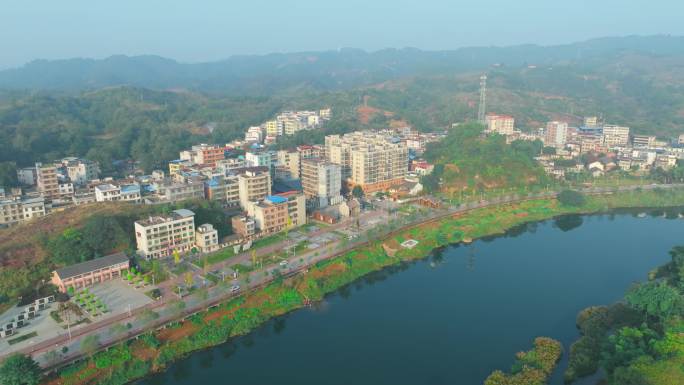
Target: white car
column 283, row 263
column 234, row 288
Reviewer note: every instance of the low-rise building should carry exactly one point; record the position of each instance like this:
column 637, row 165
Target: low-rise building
column 206, row 238
column 243, row 226
column 90, row 272
column 107, row 193
column 159, row 236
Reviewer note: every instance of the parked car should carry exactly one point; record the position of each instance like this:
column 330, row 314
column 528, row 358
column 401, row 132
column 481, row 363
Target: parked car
column 283, row 263
column 234, row 288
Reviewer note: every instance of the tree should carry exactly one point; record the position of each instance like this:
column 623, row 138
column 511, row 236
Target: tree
column 90, row 344
column 8, row 175
column 117, row 329
column 176, row 257
column 657, row 299
column 357, row 192
column 147, row 316
column 177, row 306
column 188, row 279
column 571, row 198
column 20, row 369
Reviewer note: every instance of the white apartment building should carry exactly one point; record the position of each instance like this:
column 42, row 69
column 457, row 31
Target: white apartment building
column 322, row 182
column 107, row 193
column 258, row 159
column 79, row 171
column 254, row 134
column 615, row 136
column 160, row 236
column 290, row 160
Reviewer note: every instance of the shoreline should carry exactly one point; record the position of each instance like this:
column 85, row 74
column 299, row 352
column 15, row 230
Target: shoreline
column 330, row 275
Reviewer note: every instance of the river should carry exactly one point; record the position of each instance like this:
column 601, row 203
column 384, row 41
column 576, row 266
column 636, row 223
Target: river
column 451, row 318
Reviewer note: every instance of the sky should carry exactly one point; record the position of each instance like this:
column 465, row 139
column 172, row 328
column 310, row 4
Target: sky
column 197, row 31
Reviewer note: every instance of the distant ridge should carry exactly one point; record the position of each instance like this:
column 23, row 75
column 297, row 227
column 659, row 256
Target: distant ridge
column 325, row 70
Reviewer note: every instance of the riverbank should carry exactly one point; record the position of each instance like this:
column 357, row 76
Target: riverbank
column 242, row 315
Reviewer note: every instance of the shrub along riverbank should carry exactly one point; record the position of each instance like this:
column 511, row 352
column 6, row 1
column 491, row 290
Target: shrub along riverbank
column 239, row 316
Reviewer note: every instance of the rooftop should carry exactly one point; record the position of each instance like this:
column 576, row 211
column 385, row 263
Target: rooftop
column 94, row 264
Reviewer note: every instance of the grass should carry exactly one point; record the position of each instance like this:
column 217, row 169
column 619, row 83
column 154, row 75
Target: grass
column 263, row 242
column 21, row 338
column 221, row 256
column 55, row 316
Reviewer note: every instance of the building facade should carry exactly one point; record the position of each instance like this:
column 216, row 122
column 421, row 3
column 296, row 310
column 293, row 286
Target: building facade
column 254, row 184
column 47, row 181
column 90, row 272
column 556, row 134
column 160, row 236
column 206, row 238
column 321, row 182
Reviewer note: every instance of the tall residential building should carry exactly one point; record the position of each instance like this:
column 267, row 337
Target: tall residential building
column 322, row 182
column 47, row 181
column 160, row 236
column 502, row 124
column 372, row 161
column 615, row 136
column 254, row 185
column 27, row 176
column 556, row 134
column 273, row 128
column 290, row 160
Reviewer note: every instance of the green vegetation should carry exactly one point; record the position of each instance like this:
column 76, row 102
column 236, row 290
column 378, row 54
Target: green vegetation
column 20, row 369
column 571, row 198
column 21, row 338
column 640, row 342
column 467, row 161
column 243, row 314
column 533, row 367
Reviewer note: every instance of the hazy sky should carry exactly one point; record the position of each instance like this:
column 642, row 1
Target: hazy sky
column 192, row 31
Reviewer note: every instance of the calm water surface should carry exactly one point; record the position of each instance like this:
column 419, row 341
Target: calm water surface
column 452, row 318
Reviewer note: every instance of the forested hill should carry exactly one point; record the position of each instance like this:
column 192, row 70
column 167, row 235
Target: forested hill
column 330, row 70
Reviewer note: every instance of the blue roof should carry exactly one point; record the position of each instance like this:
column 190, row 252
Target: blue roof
column 276, row 199
column 213, row 182
column 130, row 188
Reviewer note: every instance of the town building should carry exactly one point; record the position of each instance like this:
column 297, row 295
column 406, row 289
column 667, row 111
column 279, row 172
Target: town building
column 254, row 134
column 501, row 124
column 615, row 136
column 11, row 212
column 556, row 134
column 79, row 171
column 290, row 160
column 321, row 182
column 205, row 154
column 170, row 191
column 254, row 184
column 243, row 226
column 27, row 176
column 270, row 215
column 372, row 161
column 258, row 159
column 107, row 193
column 159, row 236
column 206, row 238
column 643, row 141
column 91, row 272
column 47, row 181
